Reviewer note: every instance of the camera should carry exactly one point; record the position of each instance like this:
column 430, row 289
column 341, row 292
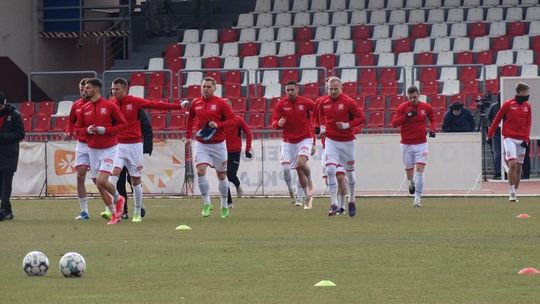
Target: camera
column 483, row 102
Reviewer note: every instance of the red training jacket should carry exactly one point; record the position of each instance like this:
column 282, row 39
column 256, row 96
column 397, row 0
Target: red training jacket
column 298, row 118
column 517, row 120
column 101, row 113
column 130, row 106
column 341, row 109
column 72, row 120
column 233, row 135
column 413, row 130
column 212, row 109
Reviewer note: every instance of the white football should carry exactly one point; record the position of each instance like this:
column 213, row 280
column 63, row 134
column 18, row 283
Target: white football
column 35, row 263
column 72, row 265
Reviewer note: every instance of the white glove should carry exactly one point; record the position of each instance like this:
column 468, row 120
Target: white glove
column 344, row 125
column 185, row 104
column 100, row 130
column 323, row 129
column 90, row 129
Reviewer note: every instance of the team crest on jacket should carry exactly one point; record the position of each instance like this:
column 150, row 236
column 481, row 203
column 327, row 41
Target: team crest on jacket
column 301, row 107
column 103, row 111
column 129, row 107
column 341, row 107
column 213, row 107
column 423, row 112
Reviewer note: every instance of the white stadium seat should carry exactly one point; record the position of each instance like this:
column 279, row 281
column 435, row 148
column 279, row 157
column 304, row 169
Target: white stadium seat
column 338, row 5
column 264, row 20
column 263, row 6
column 229, row 49
column 283, row 20
column 286, row 48
column 300, row 5
column 494, row 14
column 191, row 36
column 301, row 19
column 281, row 6
column 155, row 63
column 323, row 33
column 209, row 36
column 285, row 34
column 245, row 20
column 248, row 35
column 321, row 19
column 211, row 50
column 524, row 57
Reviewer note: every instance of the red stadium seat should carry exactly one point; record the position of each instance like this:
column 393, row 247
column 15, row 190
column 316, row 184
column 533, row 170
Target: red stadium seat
column 467, row 73
column 155, row 92
column 255, row 90
column 43, row 123
column 389, row 88
column 305, row 47
column 174, row 64
column 46, row 108
column 369, row 89
column 430, row 88
column 376, row 103
column 328, row 61
column 361, row 32
column 465, row 57
column 157, row 79
column 419, row 30
column 458, row 98
column 402, row 45
column 28, row 108
column 485, row 57
column 176, row 92
column 174, row 50
column 361, row 101
column 425, row 58
column 500, row 43
column 233, row 77
column 303, row 34
column 214, row 74
column 255, row 120
column 273, row 103
column 239, row 105
column 375, row 120
column 362, row 47
column 477, row 29
column 311, row 90
column 232, row 90
column 388, row 74
column 290, row 61
column 178, row 122
column 366, row 60
column 395, row 101
column 350, row 88
column 257, row 104
column 158, row 121
column 438, row 102
column 193, row 91
column 27, row 123
column 137, row 79
column 535, row 43
column 228, row 35
column 516, row 28
column 248, row 49
column 212, row 63
column 59, row 124
column 269, row 61
column 427, row 74
column 438, row 116
column 509, row 70
column 470, row 87
column 492, row 85
column 367, row 75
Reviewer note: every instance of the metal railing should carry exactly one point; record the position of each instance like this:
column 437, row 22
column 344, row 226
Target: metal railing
column 167, row 72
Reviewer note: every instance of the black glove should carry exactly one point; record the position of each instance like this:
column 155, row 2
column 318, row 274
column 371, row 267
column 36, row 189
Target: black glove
column 489, row 141
column 432, row 133
column 524, row 144
column 411, row 114
column 317, row 130
column 248, row 154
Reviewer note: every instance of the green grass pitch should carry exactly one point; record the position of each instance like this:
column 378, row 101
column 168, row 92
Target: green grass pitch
column 453, row 250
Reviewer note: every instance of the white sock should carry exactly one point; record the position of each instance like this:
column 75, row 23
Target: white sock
column 287, row 177
column 512, row 189
column 223, row 186
column 341, row 200
column 113, row 180
column 418, row 184
column 332, row 184
column 83, row 202
column 111, row 208
column 138, row 198
column 203, row 188
column 351, row 182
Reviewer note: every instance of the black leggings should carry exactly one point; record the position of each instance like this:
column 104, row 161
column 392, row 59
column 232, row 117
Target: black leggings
column 6, row 180
column 121, row 185
column 233, row 162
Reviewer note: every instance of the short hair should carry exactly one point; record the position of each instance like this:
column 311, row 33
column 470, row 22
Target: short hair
column 83, row 81
column 521, row 87
column 212, row 80
column 94, row 82
column 333, row 79
column 121, row 81
column 412, row 90
column 292, row 82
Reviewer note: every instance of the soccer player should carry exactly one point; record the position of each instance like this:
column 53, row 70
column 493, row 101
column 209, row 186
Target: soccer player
column 233, row 139
column 411, row 117
column 211, row 115
column 102, row 121
column 82, row 157
column 517, row 116
column 130, row 143
column 340, row 117
column 293, row 115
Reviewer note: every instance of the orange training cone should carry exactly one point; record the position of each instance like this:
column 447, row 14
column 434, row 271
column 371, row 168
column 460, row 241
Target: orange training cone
column 523, row 216
column 528, row 271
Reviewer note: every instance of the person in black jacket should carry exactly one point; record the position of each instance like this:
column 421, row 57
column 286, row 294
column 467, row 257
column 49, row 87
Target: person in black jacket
column 148, row 146
column 11, row 133
column 458, row 119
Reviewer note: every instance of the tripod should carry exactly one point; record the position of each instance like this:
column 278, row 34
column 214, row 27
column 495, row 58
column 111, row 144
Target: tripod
column 483, row 126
